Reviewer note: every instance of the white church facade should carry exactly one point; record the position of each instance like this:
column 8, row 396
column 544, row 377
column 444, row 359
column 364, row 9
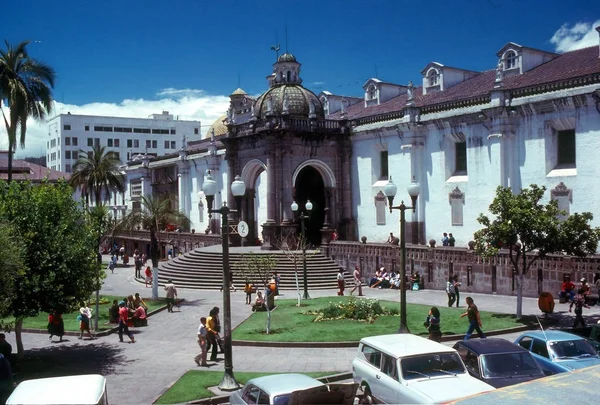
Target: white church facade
column 534, row 118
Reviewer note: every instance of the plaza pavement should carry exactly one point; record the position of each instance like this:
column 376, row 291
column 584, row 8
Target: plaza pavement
column 139, row 373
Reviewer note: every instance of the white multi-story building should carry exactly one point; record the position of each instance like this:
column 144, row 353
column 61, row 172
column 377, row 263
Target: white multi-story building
column 156, row 135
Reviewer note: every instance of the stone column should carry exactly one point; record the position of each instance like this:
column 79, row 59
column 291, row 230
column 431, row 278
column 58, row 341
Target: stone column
column 271, row 188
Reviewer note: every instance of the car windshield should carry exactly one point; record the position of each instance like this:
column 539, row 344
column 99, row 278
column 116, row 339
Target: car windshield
column 431, row 365
column 506, row 365
column 572, row 349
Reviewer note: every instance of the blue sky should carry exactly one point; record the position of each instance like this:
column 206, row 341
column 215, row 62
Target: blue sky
column 134, row 57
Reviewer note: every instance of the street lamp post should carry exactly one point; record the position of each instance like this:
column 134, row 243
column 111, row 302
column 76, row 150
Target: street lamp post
column 390, row 190
column 302, row 216
column 238, row 189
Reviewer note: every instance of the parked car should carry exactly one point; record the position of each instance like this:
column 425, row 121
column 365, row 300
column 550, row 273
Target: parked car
column 590, row 332
column 498, row 362
column 404, row 368
column 87, row 389
column 272, row 389
column 557, row 351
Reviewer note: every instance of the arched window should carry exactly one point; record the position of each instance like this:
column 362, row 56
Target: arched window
column 434, row 77
column 372, row 92
column 289, row 76
column 510, row 60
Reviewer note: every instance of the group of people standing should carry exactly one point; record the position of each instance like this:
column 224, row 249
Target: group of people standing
column 433, row 321
column 453, row 290
column 448, row 239
column 208, row 337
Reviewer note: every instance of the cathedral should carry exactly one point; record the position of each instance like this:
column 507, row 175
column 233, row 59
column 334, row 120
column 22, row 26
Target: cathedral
column 533, row 118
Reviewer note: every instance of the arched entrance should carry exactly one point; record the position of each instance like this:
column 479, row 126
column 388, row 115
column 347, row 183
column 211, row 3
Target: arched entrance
column 309, row 185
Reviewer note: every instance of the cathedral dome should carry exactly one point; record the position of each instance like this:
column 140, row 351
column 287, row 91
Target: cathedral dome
column 286, row 57
column 218, row 126
column 300, row 102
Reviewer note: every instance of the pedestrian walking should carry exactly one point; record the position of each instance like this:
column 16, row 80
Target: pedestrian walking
column 450, row 291
column 474, row 320
column 85, row 314
column 341, row 282
column 112, row 264
column 248, row 290
column 579, row 303
column 122, row 253
column 457, row 286
column 56, row 325
column 432, row 323
column 123, row 319
column 148, row 274
column 213, row 328
column 200, row 359
column 357, row 281
column 171, row 295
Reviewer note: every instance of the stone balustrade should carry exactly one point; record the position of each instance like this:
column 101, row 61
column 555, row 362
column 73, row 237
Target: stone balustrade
column 476, row 273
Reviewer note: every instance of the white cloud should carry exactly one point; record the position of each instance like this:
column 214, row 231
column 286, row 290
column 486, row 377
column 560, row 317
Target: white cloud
column 580, row 35
column 186, row 104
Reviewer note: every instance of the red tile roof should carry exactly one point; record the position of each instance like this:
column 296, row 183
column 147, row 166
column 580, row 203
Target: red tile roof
column 23, row 170
column 569, row 65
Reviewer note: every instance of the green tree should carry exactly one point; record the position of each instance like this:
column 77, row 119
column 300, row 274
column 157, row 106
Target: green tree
column 12, row 263
column 530, row 229
column 26, row 89
column 258, row 267
column 97, row 173
column 60, row 264
column 155, row 214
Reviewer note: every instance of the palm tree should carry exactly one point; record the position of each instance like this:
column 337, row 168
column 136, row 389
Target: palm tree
column 26, row 89
column 97, row 172
column 155, row 214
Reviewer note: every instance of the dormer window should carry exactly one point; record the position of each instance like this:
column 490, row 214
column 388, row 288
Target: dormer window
column 510, row 60
column 325, row 104
column 371, row 92
column 433, row 77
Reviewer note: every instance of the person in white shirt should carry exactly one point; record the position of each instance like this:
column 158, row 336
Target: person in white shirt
column 341, row 282
column 201, row 358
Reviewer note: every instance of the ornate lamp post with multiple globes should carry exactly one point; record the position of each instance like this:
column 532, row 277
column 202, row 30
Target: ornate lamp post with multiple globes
column 238, row 189
column 302, row 216
column 390, row 190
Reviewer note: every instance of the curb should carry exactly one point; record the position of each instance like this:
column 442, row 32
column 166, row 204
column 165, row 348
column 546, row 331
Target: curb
column 331, row 345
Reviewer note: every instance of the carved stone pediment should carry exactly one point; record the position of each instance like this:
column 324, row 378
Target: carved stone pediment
column 561, row 190
column 380, row 196
column 456, row 194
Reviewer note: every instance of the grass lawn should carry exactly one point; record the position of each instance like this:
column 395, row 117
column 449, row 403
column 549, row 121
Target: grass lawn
column 71, row 322
column 289, row 324
column 194, row 384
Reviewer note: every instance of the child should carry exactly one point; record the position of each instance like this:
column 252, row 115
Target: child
column 201, row 358
column 148, row 274
column 248, row 290
column 579, row 302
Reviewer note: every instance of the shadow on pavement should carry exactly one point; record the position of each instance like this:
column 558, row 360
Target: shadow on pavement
column 100, row 358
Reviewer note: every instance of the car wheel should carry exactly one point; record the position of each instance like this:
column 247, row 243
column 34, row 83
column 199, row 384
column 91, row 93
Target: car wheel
column 366, row 398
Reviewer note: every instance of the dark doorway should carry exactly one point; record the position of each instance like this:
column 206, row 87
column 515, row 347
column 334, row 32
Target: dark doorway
column 310, row 186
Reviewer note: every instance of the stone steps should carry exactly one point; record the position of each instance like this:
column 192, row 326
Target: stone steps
column 202, row 268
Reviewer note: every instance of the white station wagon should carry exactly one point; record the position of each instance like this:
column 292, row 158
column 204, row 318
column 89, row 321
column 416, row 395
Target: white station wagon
column 404, row 368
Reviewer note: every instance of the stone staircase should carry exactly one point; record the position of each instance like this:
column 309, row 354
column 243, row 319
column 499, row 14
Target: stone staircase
column 202, row 268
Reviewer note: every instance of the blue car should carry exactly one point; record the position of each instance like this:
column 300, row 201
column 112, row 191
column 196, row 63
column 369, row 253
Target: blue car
column 557, row 351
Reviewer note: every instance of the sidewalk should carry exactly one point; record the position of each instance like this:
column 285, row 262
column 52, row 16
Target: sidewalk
column 139, row 373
